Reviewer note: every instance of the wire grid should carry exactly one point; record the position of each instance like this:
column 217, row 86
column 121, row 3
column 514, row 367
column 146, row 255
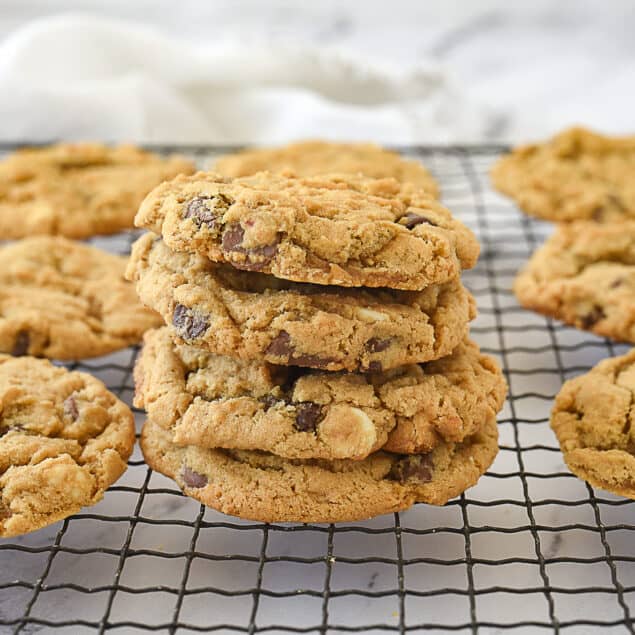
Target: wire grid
column 530, row 549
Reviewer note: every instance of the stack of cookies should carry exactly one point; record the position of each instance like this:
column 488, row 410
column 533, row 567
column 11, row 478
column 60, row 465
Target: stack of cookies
column 315, row 365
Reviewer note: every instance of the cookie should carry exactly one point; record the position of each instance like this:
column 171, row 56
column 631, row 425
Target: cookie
column 443, row 400
column 267, row 488
column 592, row 418
column 78, row 190
column 64, row 439
column 576, row 175
column 66, row 300
column 343, row 230
column 584, row 275
column 310, row 158
column 215, row 401
column 257, row 316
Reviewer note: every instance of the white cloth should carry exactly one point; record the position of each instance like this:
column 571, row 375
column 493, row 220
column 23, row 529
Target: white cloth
column 77, row 77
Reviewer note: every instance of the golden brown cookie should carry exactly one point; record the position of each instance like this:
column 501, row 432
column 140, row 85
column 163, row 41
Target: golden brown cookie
column 78, row 190
column 584, row 275
column 64, row 439
column 310, row 158
column 66, row 300
column 592, row 418
column 576, row 175
column 215, row 401
column 264, row 487
column 343, row 230
column 257, row 316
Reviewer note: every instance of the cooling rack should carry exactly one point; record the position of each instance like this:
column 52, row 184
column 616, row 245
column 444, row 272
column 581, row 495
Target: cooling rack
column 529, row 549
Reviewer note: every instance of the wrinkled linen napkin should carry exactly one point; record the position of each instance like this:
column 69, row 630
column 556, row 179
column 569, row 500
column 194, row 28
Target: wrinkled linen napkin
column 81, row 77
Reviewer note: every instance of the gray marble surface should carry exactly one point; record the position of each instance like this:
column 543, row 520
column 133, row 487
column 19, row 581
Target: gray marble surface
column 534, row 67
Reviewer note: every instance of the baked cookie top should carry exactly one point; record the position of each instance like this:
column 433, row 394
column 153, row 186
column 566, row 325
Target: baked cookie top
column 257, row 316
column 584, row 275
column 344, row 230
column 267, row 488
column 592, row 419
column 66, row 300
column 310, row 158
column 576, row 175
column 64, row 439
column 78, row 190
column 215, row 401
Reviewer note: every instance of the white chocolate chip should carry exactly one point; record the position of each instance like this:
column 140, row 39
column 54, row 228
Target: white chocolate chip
column 370, row 315
column 349, row 432
column 365, row 423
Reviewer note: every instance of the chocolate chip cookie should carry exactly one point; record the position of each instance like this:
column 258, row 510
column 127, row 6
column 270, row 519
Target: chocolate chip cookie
column 342, row 230
column 215, row 401
column 310, row 158
column 592, row 418
column 257, row 316
column 64, row 439
column 584, row 275
column 576, row 175
column 264, row 487
column 78, row 190
column 66, row 300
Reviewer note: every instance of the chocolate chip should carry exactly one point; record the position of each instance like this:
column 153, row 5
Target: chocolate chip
column 189, row 324
column 312, row 361
column 412, row 220
column 416, row 467
column 280, row 345
column 5, row 512
column 616, row 283
column 233, row 237
column 376, row 345
column 70, row 408
column 192, row 478
column 21, row 345
column 269, row 401
column 257, row 258
column 206, row 209
column 627, row 424
column 593, row 317
column 375, row 367
column 308, row 415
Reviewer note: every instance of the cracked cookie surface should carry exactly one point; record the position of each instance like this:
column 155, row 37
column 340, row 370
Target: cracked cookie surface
column 257, row 316
column 267, row 488
column 64, row 439
column 310, row 158
column 343, row 230
column 576, row 175
column 584, row 275
column 66, row 300
column 220, row 402
column 593, row 419
column 78, row 190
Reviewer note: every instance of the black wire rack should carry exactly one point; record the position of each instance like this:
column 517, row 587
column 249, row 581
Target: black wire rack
column 530, row 549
